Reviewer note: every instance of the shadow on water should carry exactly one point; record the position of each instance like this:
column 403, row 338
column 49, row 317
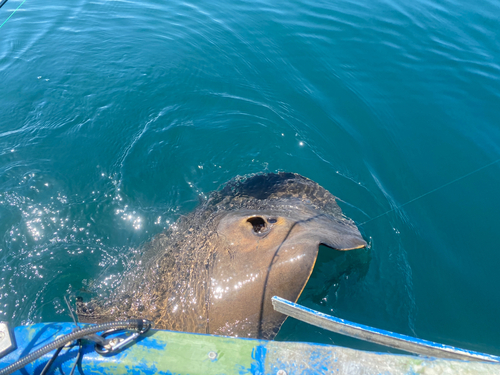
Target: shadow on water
column 335, row 272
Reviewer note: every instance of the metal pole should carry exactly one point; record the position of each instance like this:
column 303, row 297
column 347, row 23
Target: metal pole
column 377, row 336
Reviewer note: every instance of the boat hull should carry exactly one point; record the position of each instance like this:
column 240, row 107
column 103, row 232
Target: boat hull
column 171, row 352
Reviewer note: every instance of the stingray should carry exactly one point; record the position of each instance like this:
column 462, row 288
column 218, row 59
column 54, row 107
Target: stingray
column 215, row 270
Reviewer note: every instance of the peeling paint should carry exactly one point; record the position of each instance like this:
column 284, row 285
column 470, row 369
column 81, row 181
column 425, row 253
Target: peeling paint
column 176, row 353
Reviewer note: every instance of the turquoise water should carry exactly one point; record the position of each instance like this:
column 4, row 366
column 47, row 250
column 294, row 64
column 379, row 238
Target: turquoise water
column 116, row 117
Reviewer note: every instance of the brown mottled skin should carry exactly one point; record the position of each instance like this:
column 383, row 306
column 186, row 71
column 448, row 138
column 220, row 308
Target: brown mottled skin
column 215, row 270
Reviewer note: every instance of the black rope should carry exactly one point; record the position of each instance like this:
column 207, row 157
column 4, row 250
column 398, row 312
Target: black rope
column 56, row 353
column 78, row 357
column 49, row 363
column 2, row 2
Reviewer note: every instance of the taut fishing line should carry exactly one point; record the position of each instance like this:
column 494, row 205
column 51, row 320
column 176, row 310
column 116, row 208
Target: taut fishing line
column 432, row 191
column 2, row 2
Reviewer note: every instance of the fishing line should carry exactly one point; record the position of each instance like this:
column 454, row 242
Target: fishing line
column 2, row 3
column 433, row 191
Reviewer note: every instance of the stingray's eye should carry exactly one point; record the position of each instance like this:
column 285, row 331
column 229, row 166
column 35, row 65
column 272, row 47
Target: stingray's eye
column 258, row 224
column 272, row 220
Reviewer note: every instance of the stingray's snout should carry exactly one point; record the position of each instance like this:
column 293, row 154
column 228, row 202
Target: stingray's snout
column 339, row 234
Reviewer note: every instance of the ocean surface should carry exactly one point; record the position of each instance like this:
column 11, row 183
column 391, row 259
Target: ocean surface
column 117, row 117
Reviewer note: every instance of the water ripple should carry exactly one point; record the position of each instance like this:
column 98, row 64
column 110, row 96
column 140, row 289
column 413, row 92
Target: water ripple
column 118, row 116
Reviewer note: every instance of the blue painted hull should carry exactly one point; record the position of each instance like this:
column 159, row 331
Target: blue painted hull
column 167, row 352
